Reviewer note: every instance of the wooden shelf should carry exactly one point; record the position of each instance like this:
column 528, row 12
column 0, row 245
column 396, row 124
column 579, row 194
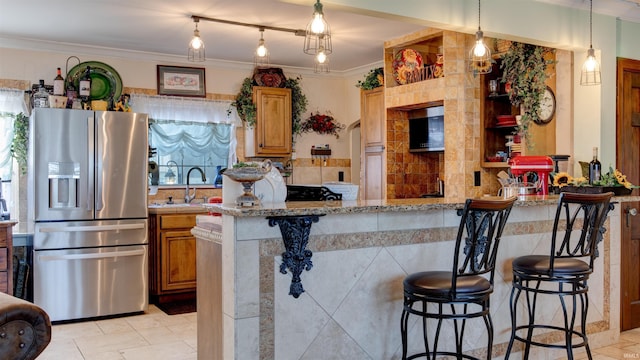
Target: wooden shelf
column 489, row 164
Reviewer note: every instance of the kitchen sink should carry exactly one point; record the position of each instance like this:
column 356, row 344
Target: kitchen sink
column 174, row 205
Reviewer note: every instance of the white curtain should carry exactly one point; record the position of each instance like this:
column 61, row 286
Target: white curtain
column 12, row 102
column 168, row 109
column 185, row 109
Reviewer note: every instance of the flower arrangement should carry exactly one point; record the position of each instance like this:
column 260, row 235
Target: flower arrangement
column 322, row 124
column 613, row 178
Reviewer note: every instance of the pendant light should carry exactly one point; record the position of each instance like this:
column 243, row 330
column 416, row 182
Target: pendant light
column 318, row 34
column 321, row 62
column 196, row 46
column 480, row 54
column 590, row 74
column 261, row 57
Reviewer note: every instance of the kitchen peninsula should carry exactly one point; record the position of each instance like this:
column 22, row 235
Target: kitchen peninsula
column 361, row 252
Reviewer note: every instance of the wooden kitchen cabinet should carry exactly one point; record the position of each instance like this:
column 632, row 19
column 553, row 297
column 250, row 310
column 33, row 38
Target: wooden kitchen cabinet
column 6, row 256
column 172, row 256
column 373, row 139
column 271, row 135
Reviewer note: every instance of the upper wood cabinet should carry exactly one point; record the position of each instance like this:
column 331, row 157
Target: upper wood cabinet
column 271, row 135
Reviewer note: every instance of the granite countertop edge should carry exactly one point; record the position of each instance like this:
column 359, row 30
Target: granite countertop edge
column 305, row 208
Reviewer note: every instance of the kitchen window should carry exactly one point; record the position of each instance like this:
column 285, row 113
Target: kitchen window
column 12, row 102
column 186, row 133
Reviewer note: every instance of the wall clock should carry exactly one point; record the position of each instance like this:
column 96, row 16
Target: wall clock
column 547, row 107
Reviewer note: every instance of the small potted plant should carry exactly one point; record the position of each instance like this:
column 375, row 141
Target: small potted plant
column 372, row 80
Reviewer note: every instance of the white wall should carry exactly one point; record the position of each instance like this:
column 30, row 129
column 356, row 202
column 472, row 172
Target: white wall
column 325, row 92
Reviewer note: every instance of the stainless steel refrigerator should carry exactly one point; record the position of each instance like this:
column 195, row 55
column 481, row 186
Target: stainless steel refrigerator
column 87, row 195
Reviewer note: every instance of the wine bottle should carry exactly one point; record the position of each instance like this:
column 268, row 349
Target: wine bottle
column 84, row 86
column 595, row 168
column 58, row 84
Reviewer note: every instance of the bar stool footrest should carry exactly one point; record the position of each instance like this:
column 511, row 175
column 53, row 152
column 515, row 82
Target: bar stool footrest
column 550, row 327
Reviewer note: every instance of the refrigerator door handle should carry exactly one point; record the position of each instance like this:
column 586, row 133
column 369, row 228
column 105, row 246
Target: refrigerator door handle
column 99, row 176
column 90, row 160
column 92, row 228
column 92, row 255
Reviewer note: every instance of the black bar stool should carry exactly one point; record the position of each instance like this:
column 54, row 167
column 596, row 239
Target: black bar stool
column 467, row 287
column 577, row 230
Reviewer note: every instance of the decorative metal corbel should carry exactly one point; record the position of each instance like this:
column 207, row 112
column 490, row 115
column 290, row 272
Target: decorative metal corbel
column 295, row 234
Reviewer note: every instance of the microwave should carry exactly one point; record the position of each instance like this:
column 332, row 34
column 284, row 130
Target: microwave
column 426, row 129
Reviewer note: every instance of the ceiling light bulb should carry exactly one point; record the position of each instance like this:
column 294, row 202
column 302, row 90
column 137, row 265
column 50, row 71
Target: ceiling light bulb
column 591, row 63
column 196, row 43
column 261, row 51
column 321, row 57
column 317, row 25
column 479, row 50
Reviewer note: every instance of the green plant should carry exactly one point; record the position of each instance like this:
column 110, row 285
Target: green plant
column 244, row 103
column 247, row 109
column 525, row 70
column 372, row 80
column 299, row 104
column 19, row 143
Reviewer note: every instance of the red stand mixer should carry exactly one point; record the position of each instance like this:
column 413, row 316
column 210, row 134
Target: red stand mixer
column 540, row 165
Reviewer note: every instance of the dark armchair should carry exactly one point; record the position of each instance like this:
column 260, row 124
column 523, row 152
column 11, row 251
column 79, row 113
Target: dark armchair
column 25, row 329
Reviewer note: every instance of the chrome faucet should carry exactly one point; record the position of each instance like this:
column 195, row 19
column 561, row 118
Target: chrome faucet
column 188, row 197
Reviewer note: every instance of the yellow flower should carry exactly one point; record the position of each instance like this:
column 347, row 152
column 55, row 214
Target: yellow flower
column 580, row 181
column 562, row 179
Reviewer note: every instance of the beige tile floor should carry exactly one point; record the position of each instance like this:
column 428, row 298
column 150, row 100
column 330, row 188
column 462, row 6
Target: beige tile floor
column 150, row 336
column 158, row 336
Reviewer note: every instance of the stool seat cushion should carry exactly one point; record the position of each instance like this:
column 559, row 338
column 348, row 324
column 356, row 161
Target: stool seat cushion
column 438, row 283
column 540, row 265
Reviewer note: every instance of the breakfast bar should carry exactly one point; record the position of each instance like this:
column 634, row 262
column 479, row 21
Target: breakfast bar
column 351, row 265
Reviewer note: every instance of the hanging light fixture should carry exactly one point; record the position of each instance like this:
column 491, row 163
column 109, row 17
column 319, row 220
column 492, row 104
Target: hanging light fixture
column 196, row 46
column 261, row 57
column 321, row 61
column 480, row 54
column 318, row 33
column 590, row 74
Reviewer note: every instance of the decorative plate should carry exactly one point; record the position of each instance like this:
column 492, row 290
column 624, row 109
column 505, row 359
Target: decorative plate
column 106, row 83
column 406, row 62
column 270, row 77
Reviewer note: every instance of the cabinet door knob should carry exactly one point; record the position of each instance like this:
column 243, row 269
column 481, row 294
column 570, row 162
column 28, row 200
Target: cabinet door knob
column 259, row 145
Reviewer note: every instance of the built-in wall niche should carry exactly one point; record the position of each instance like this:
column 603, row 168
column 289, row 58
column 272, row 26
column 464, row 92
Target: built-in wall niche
column 415, row 61
column 409, row 174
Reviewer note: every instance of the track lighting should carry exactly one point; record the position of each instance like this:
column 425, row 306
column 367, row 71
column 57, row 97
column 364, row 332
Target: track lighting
column 196, row 46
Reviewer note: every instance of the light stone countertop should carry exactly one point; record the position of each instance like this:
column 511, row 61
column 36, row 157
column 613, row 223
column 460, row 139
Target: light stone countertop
column 178, row 208
column 302, row 208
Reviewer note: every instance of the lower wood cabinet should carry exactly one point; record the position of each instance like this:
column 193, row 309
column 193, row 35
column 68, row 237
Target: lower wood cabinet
column 172, row 257
column 6, row 256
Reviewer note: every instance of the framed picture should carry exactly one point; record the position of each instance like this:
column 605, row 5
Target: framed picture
column 181, row 81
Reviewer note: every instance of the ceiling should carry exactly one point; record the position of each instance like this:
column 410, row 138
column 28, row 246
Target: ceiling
column 164, row 27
